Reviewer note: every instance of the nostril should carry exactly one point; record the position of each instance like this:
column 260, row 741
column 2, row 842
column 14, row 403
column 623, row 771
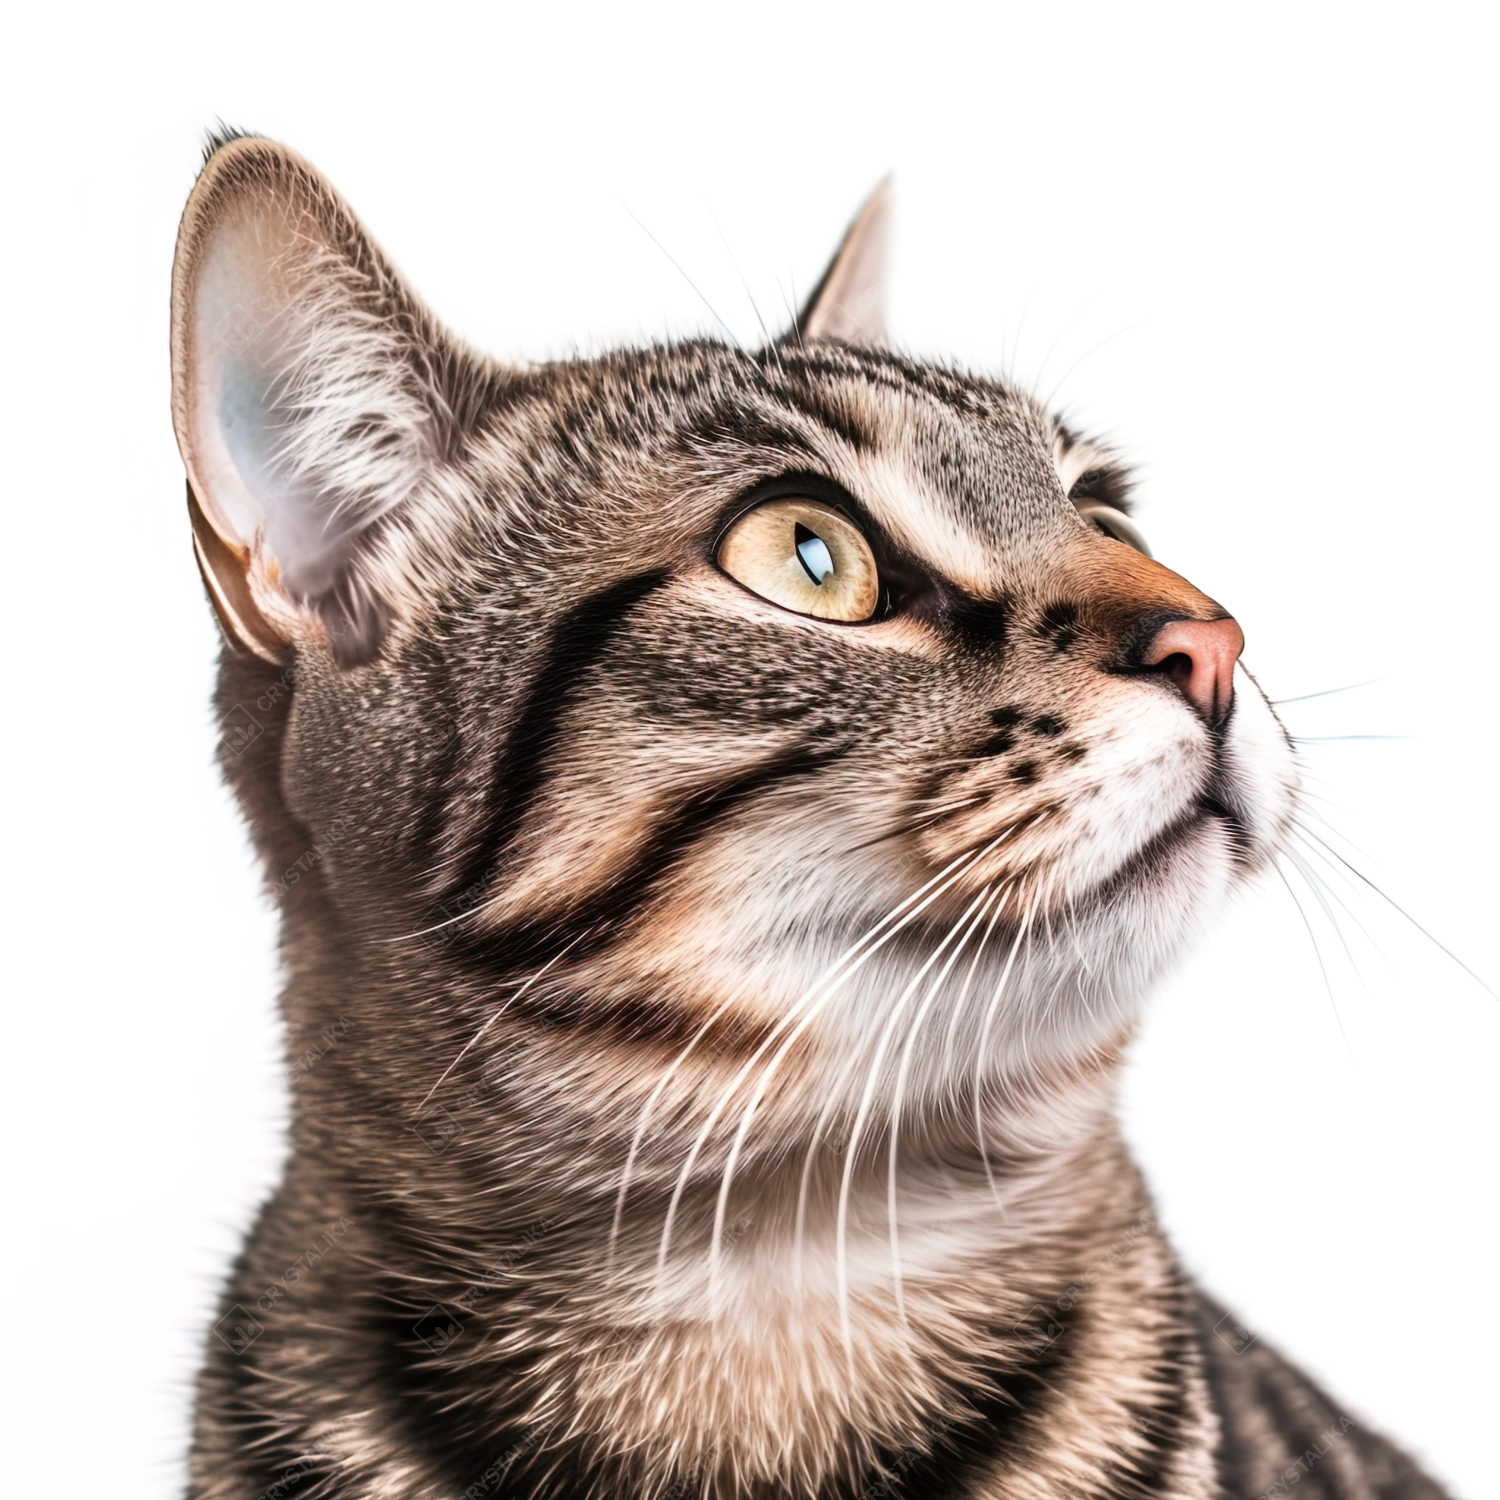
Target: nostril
column 1199, row 656
column 1179, row 667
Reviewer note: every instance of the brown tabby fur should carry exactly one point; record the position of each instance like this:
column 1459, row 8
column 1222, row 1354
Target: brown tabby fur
column 595, row 1187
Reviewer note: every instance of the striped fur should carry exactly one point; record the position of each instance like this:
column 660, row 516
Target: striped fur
column 702, row 1018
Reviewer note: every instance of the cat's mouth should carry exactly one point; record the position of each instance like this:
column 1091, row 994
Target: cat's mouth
column 1148, row 802
column 1212, row 844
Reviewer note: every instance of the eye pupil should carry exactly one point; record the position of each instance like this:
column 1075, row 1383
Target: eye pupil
column 812, row 553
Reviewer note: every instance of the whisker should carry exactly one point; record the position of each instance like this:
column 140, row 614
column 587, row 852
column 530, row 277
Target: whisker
column 984, row 1036
column 963, row 994
column 766, row 332
column 861, row 1115
column 1396, row 906
column 791, row 310
column 1317, row 951
column 945, row 806
column 899, row 1090
column 407, row 937
column 1088, row 354
column 1072, row 928
column 1317, row 885
column 1015, row 352
column 1343, row 875
column 1348, row 687
column 769, row 1071
column 920, row 821
column 473, row 1040
column 704, row 300
column 644, row 1120
column 832, row 979
column 1052, row 348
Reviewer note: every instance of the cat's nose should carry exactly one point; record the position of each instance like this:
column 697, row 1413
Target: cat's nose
column 1199, row 656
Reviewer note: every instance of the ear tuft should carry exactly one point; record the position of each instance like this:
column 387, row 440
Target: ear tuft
column 313, row 397
column 848, row 304
column 221, row 135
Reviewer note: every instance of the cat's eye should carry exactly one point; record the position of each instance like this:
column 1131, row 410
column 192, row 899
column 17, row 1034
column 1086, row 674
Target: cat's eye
column 1113, row 523
column 806, row 556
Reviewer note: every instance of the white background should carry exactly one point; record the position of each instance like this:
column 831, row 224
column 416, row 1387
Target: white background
column 1256, row 246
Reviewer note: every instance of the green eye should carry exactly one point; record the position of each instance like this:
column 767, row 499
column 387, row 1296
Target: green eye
column 804, row 556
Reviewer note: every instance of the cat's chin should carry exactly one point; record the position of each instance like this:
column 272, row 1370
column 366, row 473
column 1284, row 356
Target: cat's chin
column 1067, row 972
column 1227, row 835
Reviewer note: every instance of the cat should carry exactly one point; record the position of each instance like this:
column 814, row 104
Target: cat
column 726, row 808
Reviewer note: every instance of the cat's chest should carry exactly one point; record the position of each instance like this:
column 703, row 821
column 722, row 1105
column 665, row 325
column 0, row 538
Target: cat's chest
column 810, row 1355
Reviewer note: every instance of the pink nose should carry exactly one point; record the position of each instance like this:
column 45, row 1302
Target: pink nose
column 1199, row 656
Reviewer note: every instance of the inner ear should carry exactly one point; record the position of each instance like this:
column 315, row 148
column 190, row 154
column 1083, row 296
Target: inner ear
column 313, row 396
column 848, row 304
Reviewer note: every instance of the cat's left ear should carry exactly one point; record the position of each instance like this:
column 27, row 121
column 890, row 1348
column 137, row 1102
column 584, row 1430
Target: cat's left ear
column 848, row 304
column 315, row 402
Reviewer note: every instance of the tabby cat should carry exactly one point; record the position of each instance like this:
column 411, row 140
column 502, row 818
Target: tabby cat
column 726, row 808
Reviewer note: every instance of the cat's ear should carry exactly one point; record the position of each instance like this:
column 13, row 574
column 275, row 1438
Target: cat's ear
column 314, row 398
column 848, row 304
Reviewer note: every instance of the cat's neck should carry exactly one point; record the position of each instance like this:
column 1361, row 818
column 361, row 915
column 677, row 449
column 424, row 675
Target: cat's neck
column 790, row 1352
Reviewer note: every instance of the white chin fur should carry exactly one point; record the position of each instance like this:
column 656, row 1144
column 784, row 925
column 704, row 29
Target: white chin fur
column 1075, row 979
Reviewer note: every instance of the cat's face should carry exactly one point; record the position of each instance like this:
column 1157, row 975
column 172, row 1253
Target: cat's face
column 789, row 692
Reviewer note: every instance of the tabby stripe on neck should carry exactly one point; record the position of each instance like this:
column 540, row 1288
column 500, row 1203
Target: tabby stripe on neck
column 984, row 1428
column 577, row 642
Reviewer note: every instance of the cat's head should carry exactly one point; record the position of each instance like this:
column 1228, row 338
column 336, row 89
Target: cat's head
column 807, row 696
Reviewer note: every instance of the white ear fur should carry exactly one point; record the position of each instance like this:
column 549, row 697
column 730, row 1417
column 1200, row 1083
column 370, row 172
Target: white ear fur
column 848, row 304
column 306, row 398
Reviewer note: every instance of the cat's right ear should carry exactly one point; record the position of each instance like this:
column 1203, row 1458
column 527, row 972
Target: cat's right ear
column 314, row 400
